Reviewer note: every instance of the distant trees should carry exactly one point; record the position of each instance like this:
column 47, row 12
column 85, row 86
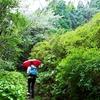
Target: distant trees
column 95, row 4
column 72, row 17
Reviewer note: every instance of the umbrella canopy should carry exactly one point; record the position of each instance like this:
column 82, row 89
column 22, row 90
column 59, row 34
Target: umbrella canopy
column 36, row 62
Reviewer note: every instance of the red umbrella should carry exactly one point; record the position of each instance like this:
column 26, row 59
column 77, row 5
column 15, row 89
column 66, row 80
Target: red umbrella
column 36, row 62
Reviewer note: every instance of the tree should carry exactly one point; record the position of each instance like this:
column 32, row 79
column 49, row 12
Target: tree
column 80, row 4
column 64, row 21
column 95, row 4
column 12, row 24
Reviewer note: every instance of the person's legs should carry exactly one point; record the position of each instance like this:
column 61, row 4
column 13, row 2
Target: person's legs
column 29, row 84
column 32, row 86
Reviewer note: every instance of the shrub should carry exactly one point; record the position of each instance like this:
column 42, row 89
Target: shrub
column 6, row 65
column 12, row 86
column 80, row 72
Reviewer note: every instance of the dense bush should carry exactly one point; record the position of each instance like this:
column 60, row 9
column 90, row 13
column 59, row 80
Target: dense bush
column 80, row 73
column 44, row 85
column 78, row 52
column 6, row 65
column 12, row 86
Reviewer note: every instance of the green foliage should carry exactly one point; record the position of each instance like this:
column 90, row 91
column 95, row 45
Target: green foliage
column 72, row 17
column 78, row 52
column 80, row 71
column 80, row 63
column 8, row 50
column 7, row 16
column 43, row 20
column 53, row 31
column 12, row 86
column 44, row 84
column 39, row 48
column 95, row 4
column 64, row 21
column 90, row 33
column 12, row 25
column 6, row 65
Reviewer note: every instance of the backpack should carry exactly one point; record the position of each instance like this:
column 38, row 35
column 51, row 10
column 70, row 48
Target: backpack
column 33, row 71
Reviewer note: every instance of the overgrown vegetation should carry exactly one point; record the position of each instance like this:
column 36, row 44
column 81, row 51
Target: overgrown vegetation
column 64, row 38
column 71, row 64
column 12, row 86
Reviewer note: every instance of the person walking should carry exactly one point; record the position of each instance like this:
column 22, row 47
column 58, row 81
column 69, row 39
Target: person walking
column 32, row 75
